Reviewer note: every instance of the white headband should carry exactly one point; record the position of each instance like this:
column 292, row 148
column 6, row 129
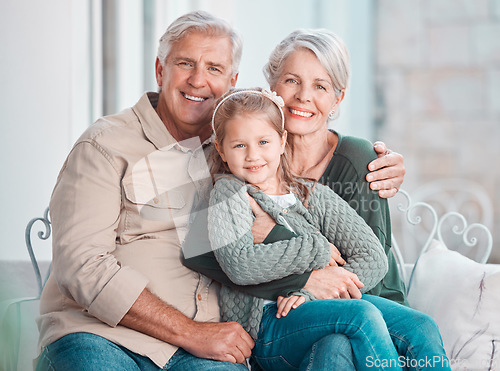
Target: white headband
column 276, row 99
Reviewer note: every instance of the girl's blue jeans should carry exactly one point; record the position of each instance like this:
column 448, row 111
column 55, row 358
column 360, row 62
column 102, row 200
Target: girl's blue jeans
column 383, row 334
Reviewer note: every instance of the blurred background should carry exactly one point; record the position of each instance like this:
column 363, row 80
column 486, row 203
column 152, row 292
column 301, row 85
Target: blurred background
column 425, row 80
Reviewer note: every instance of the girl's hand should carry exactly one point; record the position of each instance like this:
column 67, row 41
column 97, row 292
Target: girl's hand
column 335, row 257
column 285, row 304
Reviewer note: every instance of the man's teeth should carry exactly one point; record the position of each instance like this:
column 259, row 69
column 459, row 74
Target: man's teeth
column 196, row 99
column 301, row 113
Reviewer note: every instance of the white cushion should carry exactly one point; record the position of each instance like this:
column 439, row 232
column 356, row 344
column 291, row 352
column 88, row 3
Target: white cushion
column 463, row 297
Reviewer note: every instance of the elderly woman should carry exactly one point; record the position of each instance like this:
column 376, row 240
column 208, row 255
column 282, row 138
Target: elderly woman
column 309, row 69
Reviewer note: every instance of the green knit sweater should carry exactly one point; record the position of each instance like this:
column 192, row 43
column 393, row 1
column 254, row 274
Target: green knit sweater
column 326, row 218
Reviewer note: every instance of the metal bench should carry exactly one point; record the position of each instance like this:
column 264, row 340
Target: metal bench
column 451, row 226
column 11, row 314
column 407, row 212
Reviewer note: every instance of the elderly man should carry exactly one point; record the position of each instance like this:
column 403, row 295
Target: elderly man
column 118, row 296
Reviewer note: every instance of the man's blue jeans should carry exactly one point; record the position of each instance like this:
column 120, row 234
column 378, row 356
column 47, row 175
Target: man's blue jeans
column 383, row 335
column 88, row 352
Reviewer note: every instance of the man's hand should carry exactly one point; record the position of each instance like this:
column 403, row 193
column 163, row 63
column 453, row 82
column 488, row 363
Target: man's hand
column 263, row 223
column 335, row 257
column 286, row 304
column 224, row 341
column 334, row 283
column 386, row 172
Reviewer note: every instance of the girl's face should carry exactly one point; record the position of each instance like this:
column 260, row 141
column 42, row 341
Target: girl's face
column 308, row 93
column 252, row 149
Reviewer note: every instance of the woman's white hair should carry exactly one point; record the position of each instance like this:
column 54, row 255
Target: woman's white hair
column 328, row 48
column 200, row 21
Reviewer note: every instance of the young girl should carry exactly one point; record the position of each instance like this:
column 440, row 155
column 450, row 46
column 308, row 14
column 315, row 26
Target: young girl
column 252, row 162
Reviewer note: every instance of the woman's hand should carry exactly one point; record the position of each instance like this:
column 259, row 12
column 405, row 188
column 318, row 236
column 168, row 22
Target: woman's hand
column 334, row 283
column 386, row 172
column 263, row 223
column 285, row 304
column 335, row 257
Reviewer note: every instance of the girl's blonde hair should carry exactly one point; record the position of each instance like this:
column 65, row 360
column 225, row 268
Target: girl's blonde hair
column 243, row 103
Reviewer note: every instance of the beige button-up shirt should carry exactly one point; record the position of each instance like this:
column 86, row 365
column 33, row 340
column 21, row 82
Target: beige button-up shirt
column 119, row 210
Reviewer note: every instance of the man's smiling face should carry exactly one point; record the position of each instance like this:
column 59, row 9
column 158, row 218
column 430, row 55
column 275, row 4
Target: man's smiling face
column 197, row 71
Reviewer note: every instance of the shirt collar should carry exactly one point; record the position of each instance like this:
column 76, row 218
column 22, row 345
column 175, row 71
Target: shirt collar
column 155, row 130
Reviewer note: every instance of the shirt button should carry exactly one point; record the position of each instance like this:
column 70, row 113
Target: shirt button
column 285, row 210
column 199, row 297
column 155, row 200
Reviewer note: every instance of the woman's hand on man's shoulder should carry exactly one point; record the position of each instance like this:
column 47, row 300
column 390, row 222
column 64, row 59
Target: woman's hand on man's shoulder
column 386, row 172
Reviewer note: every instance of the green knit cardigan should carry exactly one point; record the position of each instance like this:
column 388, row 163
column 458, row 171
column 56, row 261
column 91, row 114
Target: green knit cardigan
column 326, row 218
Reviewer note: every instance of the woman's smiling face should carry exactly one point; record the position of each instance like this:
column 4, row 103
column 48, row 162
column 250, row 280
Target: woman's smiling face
column 308, row 93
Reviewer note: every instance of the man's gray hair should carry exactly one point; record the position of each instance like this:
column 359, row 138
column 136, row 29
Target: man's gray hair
column 200, row 21
column 328, row 48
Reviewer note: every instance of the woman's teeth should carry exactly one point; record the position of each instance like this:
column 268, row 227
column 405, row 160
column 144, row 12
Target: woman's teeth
column 301, row 113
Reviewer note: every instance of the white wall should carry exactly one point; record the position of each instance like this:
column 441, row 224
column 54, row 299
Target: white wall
column 44, row 104
column 438, row 74
column 35, row 105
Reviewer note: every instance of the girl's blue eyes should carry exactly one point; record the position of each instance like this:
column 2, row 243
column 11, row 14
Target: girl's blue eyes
column 262, row 142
